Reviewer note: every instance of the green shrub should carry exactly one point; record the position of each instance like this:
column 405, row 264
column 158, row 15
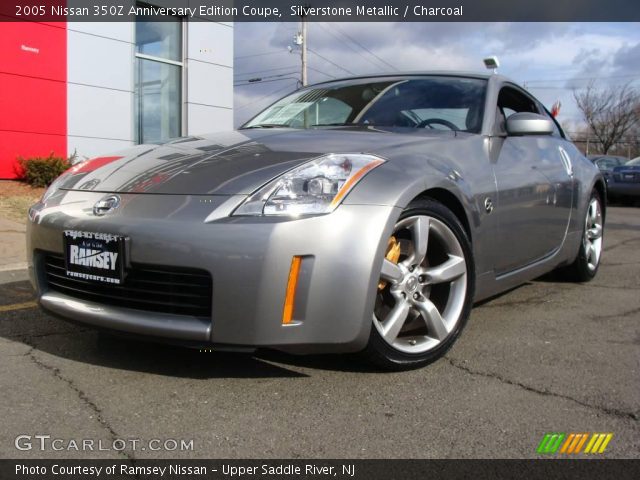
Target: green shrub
column 41, row 171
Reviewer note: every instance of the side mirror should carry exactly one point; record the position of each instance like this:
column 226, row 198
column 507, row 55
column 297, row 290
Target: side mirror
column 527, row 123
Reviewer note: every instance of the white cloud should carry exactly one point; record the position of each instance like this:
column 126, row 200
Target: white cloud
column 545, row 55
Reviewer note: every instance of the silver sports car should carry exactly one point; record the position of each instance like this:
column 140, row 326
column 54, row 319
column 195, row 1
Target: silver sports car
column 358, row 215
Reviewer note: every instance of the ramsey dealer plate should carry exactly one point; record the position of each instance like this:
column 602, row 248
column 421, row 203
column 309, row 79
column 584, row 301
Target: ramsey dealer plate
column 94, row 256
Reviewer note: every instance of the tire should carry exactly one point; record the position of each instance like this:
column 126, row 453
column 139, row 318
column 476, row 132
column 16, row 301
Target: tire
column 425, row 294
column 586, row 264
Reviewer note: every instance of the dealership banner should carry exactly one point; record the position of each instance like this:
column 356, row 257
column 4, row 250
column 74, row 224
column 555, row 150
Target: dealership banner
column 322, row 10
column 317, row 469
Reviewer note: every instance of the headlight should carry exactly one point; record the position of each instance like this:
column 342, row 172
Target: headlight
column 313, row 188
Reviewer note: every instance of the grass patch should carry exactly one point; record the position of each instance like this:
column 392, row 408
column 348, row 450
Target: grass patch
column 16, row 198
column 16, row 208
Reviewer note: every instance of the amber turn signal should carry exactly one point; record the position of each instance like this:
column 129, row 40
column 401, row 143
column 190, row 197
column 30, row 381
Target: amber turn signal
column 292, row 285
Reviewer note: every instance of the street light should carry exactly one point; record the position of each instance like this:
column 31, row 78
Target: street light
column 492, row 63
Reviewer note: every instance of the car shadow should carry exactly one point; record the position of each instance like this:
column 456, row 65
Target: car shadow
column 629, row 202
column 104, row 350
column 347, row 363
column 492, row 298
column 47, row 334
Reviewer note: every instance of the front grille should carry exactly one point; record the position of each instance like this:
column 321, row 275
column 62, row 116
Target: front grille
column 180, row 291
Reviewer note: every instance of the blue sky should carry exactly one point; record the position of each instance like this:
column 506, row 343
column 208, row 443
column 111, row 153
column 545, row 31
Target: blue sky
column 550, row 59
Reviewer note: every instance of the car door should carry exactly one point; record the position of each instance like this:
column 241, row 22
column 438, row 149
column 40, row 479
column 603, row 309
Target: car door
column 534, row 188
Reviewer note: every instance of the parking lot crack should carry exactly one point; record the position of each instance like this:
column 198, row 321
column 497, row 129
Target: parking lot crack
column 537, row 299
column 626, row 313
column 610, row 287
column 26, row 337
column 606, row 410
column 84, row 398
column 621, row 244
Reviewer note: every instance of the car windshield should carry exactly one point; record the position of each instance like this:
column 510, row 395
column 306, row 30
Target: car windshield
column 437, row 102
column 635, row 161
column 608, row 163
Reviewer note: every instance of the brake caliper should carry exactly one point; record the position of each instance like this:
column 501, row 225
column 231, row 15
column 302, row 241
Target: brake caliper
column 393, row 255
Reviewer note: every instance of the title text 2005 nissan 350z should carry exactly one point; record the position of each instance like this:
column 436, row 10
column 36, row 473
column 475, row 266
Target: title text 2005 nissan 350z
column 358, row 215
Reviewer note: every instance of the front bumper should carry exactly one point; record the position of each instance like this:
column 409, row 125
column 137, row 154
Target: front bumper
column 249, row 260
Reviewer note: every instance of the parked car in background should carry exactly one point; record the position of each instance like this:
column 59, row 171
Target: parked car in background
column 606, row 163
column 624, row 181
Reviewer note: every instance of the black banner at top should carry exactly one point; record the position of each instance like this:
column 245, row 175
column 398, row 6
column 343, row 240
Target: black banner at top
column 322, row 10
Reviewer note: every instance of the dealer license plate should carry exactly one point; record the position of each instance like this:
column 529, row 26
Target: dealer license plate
column 93, row 256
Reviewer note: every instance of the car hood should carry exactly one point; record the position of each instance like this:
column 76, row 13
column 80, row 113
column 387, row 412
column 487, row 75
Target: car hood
column 227, row 163
column 627, row 169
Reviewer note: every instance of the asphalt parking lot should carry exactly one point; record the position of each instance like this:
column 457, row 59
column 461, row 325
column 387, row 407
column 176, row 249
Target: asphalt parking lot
column 546, row 357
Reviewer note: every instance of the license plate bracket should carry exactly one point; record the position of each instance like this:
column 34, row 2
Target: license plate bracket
column 93, row 256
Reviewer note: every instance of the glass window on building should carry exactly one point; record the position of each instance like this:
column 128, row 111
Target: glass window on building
column 158, row 80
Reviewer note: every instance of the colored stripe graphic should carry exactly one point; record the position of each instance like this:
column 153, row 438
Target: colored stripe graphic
column 598, row 443
column 581, row 443
column 573, row 443
column 550, row 443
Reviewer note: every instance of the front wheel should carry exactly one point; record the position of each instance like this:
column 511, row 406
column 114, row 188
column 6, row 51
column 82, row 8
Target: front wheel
column 425, row 289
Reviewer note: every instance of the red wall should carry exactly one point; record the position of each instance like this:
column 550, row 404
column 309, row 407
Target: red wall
column 33, row 92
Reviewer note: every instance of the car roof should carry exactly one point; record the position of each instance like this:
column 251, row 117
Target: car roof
column 596, row 156
column 434, row 73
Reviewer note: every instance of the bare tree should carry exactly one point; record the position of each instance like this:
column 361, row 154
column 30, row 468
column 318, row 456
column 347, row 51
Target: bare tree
column 611, row 112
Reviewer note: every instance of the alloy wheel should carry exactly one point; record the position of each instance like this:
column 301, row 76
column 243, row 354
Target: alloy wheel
column 592, row 240
column 421, row 296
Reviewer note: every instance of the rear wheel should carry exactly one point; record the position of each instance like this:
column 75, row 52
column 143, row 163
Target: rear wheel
column 586, row 264
column 425, row 290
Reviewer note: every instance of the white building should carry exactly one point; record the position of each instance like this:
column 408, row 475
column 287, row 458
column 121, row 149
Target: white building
column 93, row 88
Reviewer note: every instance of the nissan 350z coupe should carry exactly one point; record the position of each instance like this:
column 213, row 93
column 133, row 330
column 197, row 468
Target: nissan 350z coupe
column 358, row 215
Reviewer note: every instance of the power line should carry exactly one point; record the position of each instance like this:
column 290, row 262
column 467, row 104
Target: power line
column 332, row 62
column 259, row 54
column 349, row 46
column 284, row 68
column 364, row 48
column 259, row 79
column 263, row 97
column 546, row 87
column 601, row 77
column 266, row 70
column 321, row 72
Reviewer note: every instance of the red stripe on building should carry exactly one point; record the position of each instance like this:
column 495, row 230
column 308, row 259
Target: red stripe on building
column 33, row 92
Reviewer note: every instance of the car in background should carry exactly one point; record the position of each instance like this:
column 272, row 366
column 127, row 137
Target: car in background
column 624, row 181
column 606, row 163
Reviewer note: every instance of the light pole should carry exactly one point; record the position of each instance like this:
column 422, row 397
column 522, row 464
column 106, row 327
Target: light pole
column 492, row 63
column 304, row 51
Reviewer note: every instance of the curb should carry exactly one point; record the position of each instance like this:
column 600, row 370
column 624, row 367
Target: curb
column 13, row 266
column 15, row 275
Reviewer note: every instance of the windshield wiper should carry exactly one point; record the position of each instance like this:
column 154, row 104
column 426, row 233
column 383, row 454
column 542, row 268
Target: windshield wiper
column 268, row 125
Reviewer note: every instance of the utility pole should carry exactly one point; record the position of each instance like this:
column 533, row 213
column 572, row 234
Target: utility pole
column 304, row 50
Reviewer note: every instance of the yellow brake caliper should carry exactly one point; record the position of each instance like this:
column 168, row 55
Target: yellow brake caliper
column 393, row 255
